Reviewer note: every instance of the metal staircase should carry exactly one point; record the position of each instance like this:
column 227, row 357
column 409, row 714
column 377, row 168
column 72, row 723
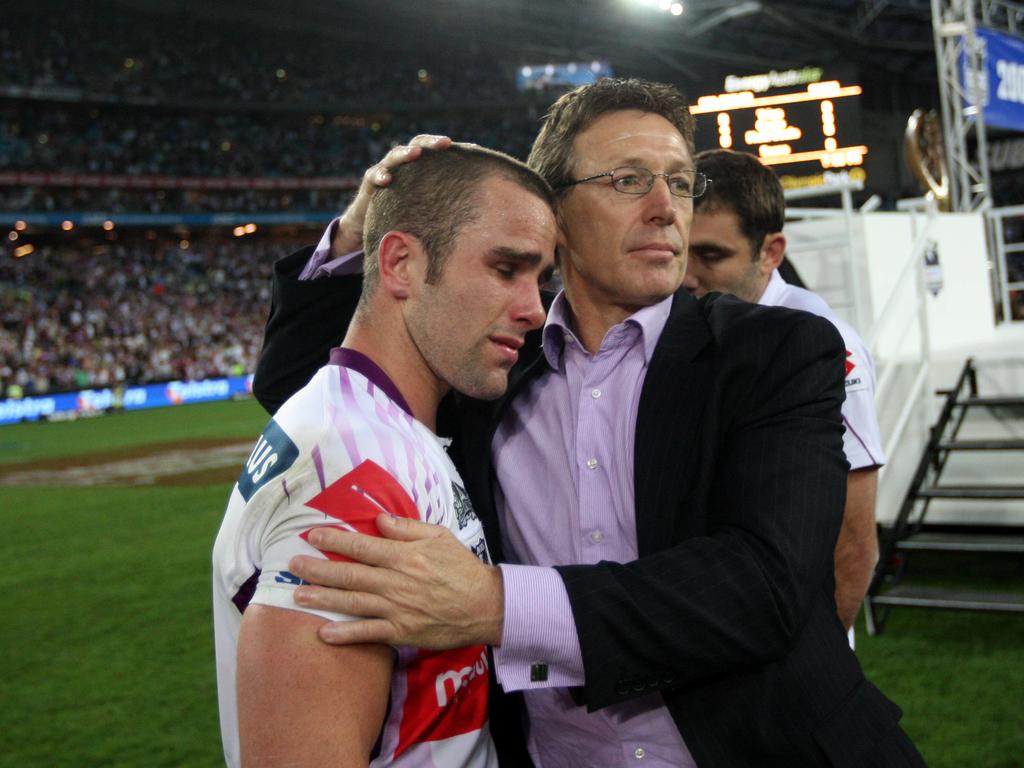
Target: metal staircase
column 908, row 534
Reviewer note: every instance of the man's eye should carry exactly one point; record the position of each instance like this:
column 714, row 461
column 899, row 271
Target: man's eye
column 629, row 181
column 680, row 185
column 708, row 257
column 505, row 270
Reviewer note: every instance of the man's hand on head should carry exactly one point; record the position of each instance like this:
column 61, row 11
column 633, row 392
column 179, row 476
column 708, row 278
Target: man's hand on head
column 348, row 236
column 417, row 586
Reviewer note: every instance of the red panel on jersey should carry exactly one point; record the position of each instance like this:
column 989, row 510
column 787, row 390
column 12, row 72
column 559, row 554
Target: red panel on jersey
column 850, row 365
column 447, row 695
column 358, row 497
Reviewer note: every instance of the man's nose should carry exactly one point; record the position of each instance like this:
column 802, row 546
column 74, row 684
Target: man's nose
column 660, row 204
column 529, row 310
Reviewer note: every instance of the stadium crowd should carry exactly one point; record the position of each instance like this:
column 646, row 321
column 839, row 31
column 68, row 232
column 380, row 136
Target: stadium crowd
column 108, row 51
column 131, row 312
column 77, row 140
column 116, row 200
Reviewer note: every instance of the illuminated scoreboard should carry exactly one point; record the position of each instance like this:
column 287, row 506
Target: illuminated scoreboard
column 805, row 126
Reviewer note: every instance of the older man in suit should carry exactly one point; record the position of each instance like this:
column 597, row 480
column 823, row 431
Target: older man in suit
column 664, row 483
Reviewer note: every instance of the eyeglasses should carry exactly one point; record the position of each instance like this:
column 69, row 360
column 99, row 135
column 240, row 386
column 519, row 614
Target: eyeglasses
column 640, row 181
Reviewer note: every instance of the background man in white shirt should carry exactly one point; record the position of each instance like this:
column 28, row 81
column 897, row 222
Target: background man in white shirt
column 736, row 246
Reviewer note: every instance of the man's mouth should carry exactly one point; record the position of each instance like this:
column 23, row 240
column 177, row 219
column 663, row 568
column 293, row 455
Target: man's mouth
column 508, row 346
column 655, row 248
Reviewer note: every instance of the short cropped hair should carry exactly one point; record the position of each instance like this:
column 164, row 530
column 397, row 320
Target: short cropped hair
column 435, row 196
column 576, row 111
column 744, row 185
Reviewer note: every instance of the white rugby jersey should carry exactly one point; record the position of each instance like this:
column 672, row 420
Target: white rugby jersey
column 338, row 452
column 861, row 440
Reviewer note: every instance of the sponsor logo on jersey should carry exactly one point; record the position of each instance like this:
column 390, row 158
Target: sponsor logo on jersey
column 287, row 577
column 454, row 679
column 273, row 453
column 464, row 511
column 447, row 696
column 854, row 380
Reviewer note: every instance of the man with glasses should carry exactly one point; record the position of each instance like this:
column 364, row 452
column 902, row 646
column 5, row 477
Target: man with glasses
column 663, row 484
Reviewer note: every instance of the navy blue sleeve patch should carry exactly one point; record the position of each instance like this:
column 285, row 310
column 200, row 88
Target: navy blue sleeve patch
column 273, row 454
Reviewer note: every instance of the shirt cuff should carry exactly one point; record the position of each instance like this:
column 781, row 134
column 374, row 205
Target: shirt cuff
column 539, row 646
column 320, row 263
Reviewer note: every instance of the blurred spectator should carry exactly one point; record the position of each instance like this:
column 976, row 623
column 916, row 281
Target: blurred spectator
column 94, row 315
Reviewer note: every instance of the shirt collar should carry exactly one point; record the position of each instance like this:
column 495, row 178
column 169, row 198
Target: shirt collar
column 361, row 364
column 650, row 321
column 772, row 291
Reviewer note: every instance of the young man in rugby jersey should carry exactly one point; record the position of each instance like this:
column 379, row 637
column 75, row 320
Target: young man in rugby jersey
column 467, row 235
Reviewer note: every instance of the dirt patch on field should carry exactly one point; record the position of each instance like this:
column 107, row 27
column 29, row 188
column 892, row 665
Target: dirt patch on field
column 207, row 461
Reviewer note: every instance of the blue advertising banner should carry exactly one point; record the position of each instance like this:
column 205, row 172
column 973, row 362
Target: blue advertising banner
column 93, row 219
column 94, row 401
column 1002, row 83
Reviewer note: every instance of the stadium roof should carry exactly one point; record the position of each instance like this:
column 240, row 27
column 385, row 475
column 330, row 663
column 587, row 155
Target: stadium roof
column 882, row 38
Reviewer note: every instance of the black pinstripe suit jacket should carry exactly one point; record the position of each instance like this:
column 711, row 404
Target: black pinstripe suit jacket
column 740, row 485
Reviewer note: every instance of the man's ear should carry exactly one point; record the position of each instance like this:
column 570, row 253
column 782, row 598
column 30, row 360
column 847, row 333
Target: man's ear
column 402, row 263
column 561, row 241
column 772, row 251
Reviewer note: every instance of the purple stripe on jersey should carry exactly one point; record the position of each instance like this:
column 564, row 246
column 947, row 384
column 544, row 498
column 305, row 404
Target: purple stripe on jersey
column 318, row 463
column 404, row 424
column 347, row 438
column 874, row 462
column 245, row 592
column 386, row 447
column 359, row 362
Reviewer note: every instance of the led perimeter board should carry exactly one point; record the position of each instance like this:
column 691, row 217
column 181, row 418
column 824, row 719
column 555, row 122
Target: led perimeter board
column 802, row 123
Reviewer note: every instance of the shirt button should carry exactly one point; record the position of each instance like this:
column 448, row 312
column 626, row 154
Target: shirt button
column 596, row 536
column 591, row 463
column 639, row 753
column 595, row 393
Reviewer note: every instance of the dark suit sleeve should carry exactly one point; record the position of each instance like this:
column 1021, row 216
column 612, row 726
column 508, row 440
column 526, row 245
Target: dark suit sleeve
column 737, row 595
column 307, row 318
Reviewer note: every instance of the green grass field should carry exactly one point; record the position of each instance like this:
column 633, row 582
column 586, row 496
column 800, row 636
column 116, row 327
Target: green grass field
column 107, row 653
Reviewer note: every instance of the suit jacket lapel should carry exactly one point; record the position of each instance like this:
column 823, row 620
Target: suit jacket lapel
column 668, row 424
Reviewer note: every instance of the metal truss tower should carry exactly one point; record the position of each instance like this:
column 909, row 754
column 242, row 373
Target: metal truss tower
column 954, row 23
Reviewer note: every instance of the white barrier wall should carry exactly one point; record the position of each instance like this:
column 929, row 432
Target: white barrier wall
column 960, row 322
column 962, row 315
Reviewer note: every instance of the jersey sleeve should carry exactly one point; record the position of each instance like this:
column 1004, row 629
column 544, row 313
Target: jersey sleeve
column 862, row 441
column 352, row 503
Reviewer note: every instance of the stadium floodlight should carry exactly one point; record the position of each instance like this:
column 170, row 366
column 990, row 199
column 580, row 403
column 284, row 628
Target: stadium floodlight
column 108, row 225
column 23, row 250
column 67, row 225
column 666, row 6
column 12, row 235
column 20, row 225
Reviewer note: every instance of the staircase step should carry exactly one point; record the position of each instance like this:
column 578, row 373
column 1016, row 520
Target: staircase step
column 928, row 597
column 971, row 492
column 1015, row 400
column 963, row 542
column 987, row 444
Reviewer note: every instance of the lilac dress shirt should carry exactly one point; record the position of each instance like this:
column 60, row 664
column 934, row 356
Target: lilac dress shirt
column 563, row 455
